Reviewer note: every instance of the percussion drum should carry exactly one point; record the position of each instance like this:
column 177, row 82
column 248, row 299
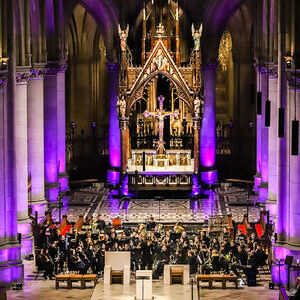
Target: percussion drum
column 116, row 223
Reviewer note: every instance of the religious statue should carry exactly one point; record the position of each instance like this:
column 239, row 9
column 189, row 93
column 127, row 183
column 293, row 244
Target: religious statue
column 160, row 62
column 123, row 37
column 160, row 30
column 160, row 114
column 121, row 107
column 196, row 33
column 197, row 107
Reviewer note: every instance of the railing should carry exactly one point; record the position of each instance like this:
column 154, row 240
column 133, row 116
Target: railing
column 185, row 142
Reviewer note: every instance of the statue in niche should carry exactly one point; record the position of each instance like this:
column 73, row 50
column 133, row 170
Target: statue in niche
column 196, row 33
column 121, row 107
column 197, row 107
column 160, row 62
column 123, row 34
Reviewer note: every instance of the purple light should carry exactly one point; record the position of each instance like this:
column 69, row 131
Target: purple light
column 263, row 193
column 196, row 185
column 208, row 130
column 52, row 194
column 124, row 186
column 114, row 130
column 50, row 129
column 114, row 202
column 63, row 182
column 281, row 253
column 257, row 181
column 40, row 209
column 26, row 238
column 11, row 268
column 209, row 177
column 113, row 177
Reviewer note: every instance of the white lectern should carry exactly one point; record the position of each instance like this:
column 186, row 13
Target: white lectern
column 143, row 285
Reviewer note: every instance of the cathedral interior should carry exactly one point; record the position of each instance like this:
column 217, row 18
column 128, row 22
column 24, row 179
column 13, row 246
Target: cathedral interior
column 148, row 146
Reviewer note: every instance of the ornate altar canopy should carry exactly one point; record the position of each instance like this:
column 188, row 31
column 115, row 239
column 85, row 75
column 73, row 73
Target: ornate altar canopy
column 160, row 104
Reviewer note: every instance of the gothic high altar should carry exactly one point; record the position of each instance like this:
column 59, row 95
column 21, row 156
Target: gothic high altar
column 160, row 106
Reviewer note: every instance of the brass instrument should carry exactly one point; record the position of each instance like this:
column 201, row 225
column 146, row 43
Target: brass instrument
column 180, row 228
column 142, row 229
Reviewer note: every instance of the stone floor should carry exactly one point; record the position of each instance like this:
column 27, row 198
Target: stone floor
column 93, row 201
column 45, row 290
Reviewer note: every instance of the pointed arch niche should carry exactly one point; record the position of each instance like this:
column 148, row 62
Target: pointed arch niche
column 86, row 94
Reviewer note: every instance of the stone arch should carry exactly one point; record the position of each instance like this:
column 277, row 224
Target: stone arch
column 182, row 92
column 105, row 15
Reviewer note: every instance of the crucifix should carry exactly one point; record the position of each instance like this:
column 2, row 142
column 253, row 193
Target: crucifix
column 160, row 114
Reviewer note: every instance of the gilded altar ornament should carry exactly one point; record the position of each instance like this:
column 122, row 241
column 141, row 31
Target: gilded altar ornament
column 225, row 50
column 160, row 62
column 123, row 34
column 197, row 107
column 121, row 107
column 196, row 33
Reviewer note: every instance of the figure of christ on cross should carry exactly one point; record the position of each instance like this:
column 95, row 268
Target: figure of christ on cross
column 160, row 114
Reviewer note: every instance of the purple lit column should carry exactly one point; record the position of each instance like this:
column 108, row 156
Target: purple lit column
column 263, row 187
column 257, row 177
column 283, row 205
column 11, row 268
column 35, row 116
column 2, row 160
column 61, row 128
column 208, row 129
column 273, row 136
column 114, row 130
column 20, row 124
column 294, row 175
column 50, row 133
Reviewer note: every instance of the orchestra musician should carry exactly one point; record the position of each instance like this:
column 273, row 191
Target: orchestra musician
column 150, row 249
column 147, row 250
column 46, row 263
column 151, row 224
column 76, row 263
column 101, row 223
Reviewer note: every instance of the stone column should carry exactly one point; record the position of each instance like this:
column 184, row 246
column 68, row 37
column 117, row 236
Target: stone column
column 124, row 143
column 20, row 123
column 50, row 133
column 263, row 187
column 196, row 121
column 114, row 129
column 11, row 268
column 61, row 128
column 272, row 147
column 2, row 160
column 257, row 177
column 283, row 204
column 294, row 175
column 35, row 117
column 208, row 128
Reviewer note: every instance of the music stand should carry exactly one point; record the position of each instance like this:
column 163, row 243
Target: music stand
column 126, row 201
column 159, row 199
column 288, row 262
column 193, row 201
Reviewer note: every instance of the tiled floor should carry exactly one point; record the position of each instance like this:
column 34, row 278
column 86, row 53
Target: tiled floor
column 91, row 202
column 45, row 290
